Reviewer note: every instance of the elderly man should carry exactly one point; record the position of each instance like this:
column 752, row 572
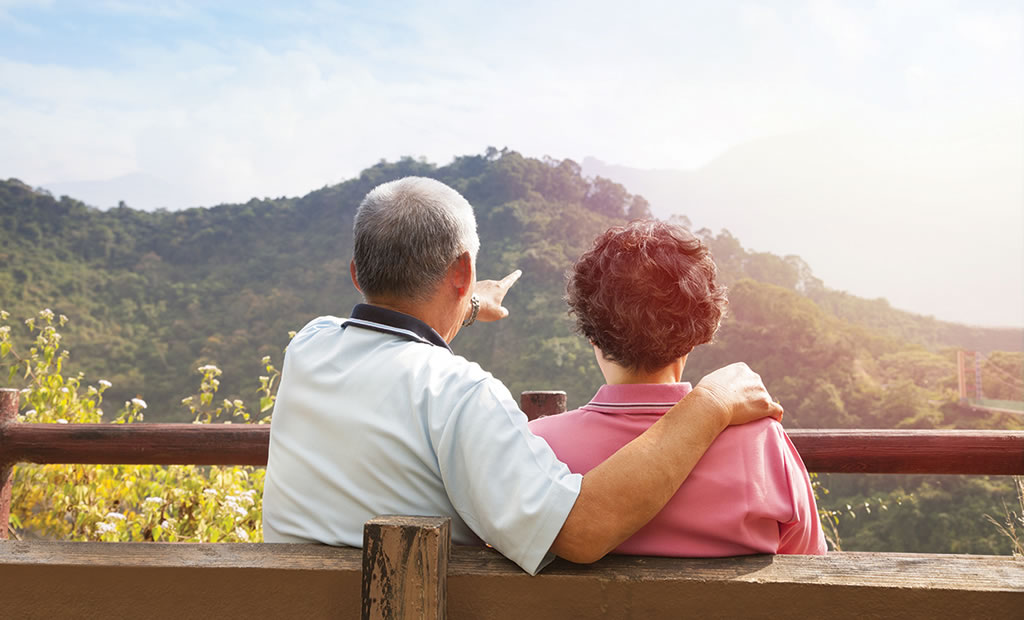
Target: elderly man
column 376, row 415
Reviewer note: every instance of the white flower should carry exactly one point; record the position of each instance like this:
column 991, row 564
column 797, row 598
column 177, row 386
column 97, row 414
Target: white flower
column 154, row 500
column 61, row 421
column 64, row 390
column 30, row 412
column 242, row 534
column 165, row 524
column 210, row 492
column 209, row 368
column 238, row 403
column 138, row 402
column 231, row 503
column 105, row 383
column 115, row 515
column 104, row 527
column 46, row 313
column 243, row 498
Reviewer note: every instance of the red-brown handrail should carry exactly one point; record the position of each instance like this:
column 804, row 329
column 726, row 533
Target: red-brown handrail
column 835, row 451
column 826, row 451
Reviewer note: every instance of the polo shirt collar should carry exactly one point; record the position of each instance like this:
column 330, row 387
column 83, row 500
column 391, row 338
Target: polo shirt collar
column 380, row 319
column 638, row 397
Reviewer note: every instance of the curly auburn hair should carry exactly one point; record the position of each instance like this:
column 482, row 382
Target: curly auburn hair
column 646, row 294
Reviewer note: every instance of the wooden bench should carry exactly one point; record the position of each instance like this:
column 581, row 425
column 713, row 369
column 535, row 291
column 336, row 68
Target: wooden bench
column 165, row 580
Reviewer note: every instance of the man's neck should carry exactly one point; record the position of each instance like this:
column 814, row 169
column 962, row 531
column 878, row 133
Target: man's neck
column 434, row 314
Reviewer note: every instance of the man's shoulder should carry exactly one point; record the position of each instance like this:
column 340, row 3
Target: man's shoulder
column 314, row 327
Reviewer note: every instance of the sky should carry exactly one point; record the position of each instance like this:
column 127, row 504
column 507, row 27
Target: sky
column 184, row 103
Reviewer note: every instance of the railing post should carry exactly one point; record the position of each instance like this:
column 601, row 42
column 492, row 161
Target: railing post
column 405, row 567
column 8, row 416
column 540, row 403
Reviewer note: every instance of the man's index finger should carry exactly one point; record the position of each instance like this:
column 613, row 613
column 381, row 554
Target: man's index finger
column 511, row 278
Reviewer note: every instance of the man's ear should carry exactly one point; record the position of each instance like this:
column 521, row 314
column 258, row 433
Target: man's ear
column 461, row 273
column 352, row 270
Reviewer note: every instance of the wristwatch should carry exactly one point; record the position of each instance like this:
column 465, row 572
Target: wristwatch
column 475, row 302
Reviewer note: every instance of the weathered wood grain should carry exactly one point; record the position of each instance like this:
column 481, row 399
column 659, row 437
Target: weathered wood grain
column 405, row 567
column 161, row 580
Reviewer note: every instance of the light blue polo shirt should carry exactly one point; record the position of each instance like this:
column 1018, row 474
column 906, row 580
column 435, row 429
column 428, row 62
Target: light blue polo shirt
column 375, row 415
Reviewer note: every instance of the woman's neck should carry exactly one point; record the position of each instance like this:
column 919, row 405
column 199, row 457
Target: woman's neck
column 614, row 374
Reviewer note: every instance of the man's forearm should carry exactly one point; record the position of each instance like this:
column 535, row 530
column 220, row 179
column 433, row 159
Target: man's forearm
column 621, row 495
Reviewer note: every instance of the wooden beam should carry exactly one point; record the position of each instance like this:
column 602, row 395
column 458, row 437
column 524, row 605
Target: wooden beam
column 405, row 567
column 137, row 444
column 48, row 579
column 911, row 451
column 827, row 451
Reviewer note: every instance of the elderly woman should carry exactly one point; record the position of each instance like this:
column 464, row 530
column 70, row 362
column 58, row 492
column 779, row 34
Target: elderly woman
column 645, row 295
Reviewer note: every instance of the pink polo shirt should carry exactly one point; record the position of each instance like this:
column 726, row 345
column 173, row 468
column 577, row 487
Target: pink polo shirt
column 750, row 493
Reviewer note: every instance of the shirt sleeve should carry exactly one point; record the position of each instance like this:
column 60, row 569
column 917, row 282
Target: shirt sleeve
column 506, row 483
column 801, row 535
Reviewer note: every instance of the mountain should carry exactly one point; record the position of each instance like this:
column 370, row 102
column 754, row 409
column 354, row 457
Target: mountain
column 152, row 296
column 946, row 213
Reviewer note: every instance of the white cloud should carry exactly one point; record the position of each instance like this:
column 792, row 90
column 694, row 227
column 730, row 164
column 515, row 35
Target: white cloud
column 847, row 27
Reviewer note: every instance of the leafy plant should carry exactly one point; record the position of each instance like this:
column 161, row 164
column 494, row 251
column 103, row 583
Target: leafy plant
column 1012, row 525
column 125, row 502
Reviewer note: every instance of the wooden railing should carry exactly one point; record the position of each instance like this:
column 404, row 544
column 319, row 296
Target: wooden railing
column 826, row 451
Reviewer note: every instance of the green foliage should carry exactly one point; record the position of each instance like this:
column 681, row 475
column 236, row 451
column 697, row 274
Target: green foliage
column 1011, row 523
column 120, row 502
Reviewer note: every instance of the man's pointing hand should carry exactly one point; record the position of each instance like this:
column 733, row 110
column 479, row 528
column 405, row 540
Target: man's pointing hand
column 491, row 293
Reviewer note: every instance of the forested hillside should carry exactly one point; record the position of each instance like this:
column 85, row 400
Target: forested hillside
column 154, row 295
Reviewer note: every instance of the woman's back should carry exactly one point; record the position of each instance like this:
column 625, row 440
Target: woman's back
column 750, row 493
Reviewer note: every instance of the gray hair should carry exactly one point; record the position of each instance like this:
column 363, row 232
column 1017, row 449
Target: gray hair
column 407, row 235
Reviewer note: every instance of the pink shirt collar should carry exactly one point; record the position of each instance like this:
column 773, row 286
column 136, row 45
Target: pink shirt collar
column 637, row 397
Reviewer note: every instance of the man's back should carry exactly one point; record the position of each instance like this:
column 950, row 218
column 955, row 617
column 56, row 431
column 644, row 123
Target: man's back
column 749, row 493
column 370, row 422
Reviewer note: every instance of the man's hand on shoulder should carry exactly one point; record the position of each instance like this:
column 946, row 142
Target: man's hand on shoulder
column 740, row 394
column 491, row 293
